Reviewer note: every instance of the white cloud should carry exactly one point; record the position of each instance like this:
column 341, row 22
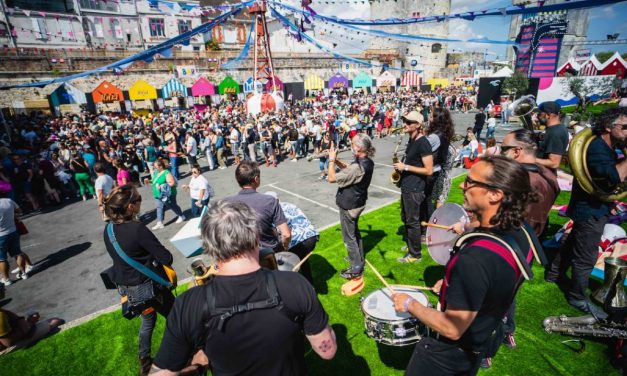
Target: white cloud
column 603, row 13
column 458, row 6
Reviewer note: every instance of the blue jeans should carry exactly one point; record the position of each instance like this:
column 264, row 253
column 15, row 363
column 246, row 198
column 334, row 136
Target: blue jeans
column 324, row 164
column 300, row 147
column 171, row 203
column 197, row 210
column 174, row 168
column 490, row 132
column 10, row 246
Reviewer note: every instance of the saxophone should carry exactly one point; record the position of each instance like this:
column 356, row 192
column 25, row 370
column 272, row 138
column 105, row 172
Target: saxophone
column 586, row 326
column 395, row 178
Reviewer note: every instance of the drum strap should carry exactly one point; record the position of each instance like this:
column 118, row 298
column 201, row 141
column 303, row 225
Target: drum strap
column 273, row 300
column 507, row 248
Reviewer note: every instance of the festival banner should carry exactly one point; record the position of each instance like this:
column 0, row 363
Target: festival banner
column 362, row 80
column 173, row 88
column 228, row 86
column 186, row 70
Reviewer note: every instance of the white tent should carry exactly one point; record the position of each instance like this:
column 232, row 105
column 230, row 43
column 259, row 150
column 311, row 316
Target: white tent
column 503, row 72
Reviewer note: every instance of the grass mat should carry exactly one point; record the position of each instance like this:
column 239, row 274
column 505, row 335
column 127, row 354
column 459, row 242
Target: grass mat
column 107, row 345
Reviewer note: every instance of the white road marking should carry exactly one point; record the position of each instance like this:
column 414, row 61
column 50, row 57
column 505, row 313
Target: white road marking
column 304, row 198
column 386, row 189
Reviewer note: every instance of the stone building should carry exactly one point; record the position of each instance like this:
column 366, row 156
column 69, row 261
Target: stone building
column 430, row 57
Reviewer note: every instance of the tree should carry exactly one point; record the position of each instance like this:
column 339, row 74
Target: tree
column 584, row 88
column 516, row 84
column 604, row 56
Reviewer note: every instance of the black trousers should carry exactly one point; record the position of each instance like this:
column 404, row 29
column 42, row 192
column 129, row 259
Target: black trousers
column 580, row 250
column 301, row 250
column 435, row 358
column 410, row 215
column 427, row 207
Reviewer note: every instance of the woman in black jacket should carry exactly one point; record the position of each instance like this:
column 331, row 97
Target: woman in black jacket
column 139, row 243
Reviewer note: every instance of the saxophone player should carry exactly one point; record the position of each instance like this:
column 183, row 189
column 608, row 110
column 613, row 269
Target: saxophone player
column 588, row 211
column 417, row 165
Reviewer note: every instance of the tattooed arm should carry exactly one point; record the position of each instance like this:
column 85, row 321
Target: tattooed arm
column 324, row 343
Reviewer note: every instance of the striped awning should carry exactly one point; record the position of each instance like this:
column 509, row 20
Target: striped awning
column 174, row 88
column 314, row 83
column 411, row 78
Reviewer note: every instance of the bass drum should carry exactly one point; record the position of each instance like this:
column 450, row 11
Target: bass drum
column 440, row 241
column 286, row 261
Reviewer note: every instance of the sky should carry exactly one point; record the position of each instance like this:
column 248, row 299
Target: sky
column 602, row 21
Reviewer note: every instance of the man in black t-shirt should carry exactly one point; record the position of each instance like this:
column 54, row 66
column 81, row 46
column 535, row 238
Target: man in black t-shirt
column 267, row 310
column 479, row 122
column 417, row 165
column 482, row 276
column 553, row 147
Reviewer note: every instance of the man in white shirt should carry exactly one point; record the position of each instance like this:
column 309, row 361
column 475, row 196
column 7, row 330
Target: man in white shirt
column 191, row 149
column 103, row 185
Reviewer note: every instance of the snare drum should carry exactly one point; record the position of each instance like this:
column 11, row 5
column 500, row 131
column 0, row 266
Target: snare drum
column 385, row 325
column 286, row 261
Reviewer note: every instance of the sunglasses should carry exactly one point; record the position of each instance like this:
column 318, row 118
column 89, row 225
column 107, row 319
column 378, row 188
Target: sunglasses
column 505, row 148
column 470, row 183
column 623, row 126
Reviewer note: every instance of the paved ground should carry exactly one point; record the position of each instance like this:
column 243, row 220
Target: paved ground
column 67, row 248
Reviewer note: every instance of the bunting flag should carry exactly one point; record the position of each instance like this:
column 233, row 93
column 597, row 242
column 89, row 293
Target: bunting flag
column 540, row 6
column 146, row 55
column 243, row 53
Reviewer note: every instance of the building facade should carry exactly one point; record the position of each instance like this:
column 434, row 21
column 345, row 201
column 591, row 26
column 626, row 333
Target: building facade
column 95, row 24
column 430, row 57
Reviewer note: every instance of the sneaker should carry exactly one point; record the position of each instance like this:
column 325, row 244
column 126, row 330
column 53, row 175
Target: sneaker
column 6, row 281
column 588, row 307
column 322, row 177
column 294, row 160
column 158, row 226
column 181, row 219
column 486, row 363
column 29, row 268
column 509, row 341
column 349, row 274
column 222, row 168
column 408, row 259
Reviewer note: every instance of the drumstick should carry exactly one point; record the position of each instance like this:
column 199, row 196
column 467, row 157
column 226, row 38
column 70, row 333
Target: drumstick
column 295, row 268
column 426, row 288
column 427, row 224
column 380, row 277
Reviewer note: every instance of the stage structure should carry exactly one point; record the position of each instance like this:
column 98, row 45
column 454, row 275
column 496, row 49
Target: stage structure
column 263, row 69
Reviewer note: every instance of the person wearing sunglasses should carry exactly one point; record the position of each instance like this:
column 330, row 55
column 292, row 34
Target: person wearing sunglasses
column 588, row 212
column 481, row 279
column 553, row 147
column 199, row 190
column 520, row 146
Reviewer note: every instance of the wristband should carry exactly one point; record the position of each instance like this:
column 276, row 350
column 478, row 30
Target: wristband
column 407, row 303
column 406, row 168
column 331, row 159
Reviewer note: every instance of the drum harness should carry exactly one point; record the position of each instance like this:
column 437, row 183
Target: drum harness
column 505, row 247
column 273, row 301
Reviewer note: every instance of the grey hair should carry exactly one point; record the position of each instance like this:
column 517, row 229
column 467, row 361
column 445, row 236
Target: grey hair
column 364, row 144
column 229, row 230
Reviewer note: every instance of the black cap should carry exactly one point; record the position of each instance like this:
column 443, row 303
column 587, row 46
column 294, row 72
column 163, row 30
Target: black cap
column 550, row 107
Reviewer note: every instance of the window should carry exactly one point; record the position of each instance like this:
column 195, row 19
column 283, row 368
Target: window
column 435, row 48
column 4, row 30
column 39, row 26
column 184, row 26
column 61, row 6
column 157, row 27
column 98, row 31
column 107, row 6
column 116, row 29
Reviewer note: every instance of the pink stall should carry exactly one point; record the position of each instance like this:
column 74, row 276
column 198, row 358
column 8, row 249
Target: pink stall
column 203, row 89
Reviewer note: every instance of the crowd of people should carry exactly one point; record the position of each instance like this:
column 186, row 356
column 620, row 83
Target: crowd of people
column 247, row 310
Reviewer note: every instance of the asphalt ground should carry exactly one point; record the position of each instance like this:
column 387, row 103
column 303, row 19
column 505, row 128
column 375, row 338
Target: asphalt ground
column 66, row 244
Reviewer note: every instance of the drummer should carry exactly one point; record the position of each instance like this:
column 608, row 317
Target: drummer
column 304, row 234
column 480, row 282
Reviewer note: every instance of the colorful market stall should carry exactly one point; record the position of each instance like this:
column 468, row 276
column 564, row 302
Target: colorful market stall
column 313, row 82
column 362, row 80
column 250, row 87
column 228, row 86
column 338, row 82
column 411, row 79
column 66, row 98
column 438, row 82
column 108, row 97
column 275, row 84
column 386, row 82
column 204, row 91
column 174, row 93
column 143, row 95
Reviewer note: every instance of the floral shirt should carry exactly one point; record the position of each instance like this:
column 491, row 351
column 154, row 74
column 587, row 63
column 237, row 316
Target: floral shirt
column 299, row 225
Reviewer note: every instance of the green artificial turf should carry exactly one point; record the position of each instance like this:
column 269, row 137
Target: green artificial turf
column 593, row 109
column 108, row 344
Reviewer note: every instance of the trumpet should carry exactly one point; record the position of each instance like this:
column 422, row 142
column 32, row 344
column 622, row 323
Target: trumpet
column 395, row 178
